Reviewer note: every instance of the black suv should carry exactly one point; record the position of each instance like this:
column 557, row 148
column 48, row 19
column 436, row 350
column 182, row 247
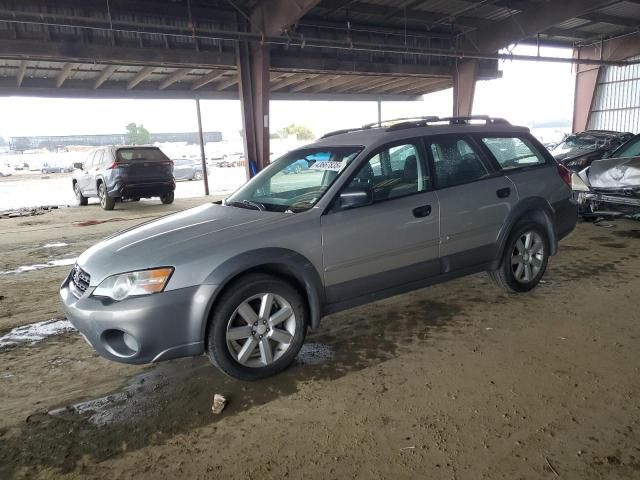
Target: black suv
column 125, row 173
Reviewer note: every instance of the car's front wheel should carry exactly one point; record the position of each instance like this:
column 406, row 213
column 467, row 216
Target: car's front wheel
column 81, row 199
column 258, row 327
column 106, row 202
column 524, row 260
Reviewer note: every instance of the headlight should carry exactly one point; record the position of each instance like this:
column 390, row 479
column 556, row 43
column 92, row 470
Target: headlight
column 577, row 184
column 143, row 282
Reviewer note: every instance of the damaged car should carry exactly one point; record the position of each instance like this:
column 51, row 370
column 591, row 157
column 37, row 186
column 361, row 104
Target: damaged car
column 578, row 150
column 610, row 187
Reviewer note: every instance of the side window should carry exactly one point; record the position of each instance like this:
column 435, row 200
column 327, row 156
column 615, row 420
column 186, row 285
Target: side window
column 513, row 152
column 455, row 161
column 88, row 163
column 97, row 161
column 394, row 172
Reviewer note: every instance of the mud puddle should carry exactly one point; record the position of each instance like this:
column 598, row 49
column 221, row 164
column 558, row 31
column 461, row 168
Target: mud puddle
column 35, row 333
column 62, row 262
column 174, row 397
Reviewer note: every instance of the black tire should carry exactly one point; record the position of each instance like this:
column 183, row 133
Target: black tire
column 237, row 293
column 506, row 275
column 81, row 199
column 167, row 199
column 106, row 202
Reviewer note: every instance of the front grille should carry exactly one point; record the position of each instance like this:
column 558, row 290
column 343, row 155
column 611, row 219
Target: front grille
column 80, row 278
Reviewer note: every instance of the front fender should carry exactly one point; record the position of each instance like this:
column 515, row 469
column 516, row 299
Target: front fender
column 277, row 261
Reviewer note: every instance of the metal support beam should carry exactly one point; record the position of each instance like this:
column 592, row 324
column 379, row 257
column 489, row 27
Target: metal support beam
column 21, row 71
column 464, row 87
column 379, row 112
column 205, row 175
column 140, row 76
column 230, row 82
column 176, row 76
column 104, row 76
column 254, row 89
column 207, row 79
column 529, row 22
column 64, row 74
column 273, row 17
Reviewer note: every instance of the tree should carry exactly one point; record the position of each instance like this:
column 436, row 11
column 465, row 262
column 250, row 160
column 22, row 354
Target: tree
column 300, row 131
column 137, row 135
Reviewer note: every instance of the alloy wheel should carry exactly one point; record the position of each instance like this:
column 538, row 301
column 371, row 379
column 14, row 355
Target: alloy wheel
column 261, row 330
column 527, row 257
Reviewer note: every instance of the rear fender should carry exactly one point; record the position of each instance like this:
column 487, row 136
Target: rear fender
column 535, row 209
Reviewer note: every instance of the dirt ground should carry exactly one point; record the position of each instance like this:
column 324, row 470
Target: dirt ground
column 457, row 381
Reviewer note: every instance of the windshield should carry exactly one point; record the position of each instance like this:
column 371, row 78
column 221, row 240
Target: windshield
column 296, row 181
column 631, row 149
column 575, row 142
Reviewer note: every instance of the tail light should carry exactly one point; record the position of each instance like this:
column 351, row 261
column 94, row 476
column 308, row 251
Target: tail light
column 168, row 162
column 565, row 174
column 118, row 165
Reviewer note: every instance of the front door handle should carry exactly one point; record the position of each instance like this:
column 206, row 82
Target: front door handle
column 503, row 192
column 423, row 211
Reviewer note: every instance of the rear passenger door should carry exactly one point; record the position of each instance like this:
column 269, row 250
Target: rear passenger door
column 475, row 201
column 84, row 176
column 394, row 240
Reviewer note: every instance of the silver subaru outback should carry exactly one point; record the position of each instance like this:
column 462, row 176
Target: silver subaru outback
column 376, row 211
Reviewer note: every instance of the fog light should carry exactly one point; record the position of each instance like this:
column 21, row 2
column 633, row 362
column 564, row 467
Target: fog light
column 130, row 342
column 119, row 343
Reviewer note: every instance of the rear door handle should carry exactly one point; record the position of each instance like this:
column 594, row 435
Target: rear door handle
column 503, row 192
column 423, row 211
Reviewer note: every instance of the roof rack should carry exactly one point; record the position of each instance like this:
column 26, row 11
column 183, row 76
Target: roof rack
column 413, row 122
column 464, row 120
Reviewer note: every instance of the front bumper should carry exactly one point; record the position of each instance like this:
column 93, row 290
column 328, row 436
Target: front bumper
column 609, row 204
column 144, row 329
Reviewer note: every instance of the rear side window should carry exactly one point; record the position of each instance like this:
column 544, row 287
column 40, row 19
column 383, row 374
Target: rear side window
column 513, row 152
column 455, row 161
column 141, row 154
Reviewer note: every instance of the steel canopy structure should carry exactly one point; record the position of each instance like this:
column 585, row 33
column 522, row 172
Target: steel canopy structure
column 257, row 50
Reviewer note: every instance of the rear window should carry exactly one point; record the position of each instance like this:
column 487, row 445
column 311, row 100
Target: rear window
column 513, row 152
column 141, row 154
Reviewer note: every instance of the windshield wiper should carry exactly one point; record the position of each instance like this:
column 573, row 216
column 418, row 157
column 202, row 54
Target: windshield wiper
column 247, row 204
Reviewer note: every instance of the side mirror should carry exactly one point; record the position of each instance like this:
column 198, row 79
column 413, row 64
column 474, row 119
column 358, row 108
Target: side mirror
column 78, row 165
column 354, row 197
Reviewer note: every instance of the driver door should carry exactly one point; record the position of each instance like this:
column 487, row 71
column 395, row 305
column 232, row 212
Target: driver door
column 392, row 242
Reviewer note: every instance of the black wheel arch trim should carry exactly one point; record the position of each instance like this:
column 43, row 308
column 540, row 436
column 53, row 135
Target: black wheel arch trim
column 536, row 209
column 279, row 262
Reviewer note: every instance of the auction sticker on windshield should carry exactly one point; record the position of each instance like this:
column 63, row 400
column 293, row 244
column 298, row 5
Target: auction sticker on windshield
column 327, row 165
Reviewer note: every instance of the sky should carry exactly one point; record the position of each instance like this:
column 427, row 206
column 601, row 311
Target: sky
column 528, row 93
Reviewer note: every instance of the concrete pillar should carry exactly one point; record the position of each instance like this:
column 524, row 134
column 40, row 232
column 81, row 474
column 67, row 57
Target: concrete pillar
column 464, row 88
column 253, row 70
column 585, row 91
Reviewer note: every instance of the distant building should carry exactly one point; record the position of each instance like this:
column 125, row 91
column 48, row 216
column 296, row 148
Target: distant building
column 56, row 142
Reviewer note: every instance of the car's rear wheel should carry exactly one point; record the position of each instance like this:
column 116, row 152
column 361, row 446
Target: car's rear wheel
column 106, row 202
column 81, row 199
column 524, row 260
column 198, row 175
column 257, row 328
column 167, row 199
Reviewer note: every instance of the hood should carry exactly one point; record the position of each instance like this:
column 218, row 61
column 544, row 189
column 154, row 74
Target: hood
column 615, row 173
column 165, row 241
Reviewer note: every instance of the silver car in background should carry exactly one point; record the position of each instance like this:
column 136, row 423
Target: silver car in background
column 379, row 211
